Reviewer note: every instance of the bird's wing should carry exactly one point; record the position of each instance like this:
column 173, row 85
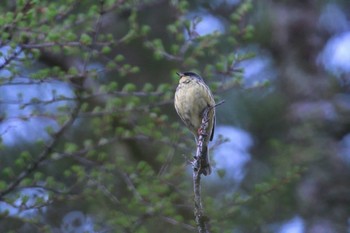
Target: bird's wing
column 212, row 131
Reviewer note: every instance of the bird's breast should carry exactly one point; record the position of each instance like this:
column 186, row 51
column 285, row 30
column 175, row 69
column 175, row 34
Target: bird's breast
column 190, row 101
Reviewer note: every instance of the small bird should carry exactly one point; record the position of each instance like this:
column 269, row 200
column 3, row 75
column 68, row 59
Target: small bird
column 192, row 97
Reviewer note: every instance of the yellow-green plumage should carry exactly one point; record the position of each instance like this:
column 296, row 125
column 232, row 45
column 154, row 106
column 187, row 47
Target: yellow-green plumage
column 192, row 97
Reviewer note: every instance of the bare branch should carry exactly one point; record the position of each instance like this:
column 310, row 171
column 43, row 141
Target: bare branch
column 197, row 163
column 202, row 220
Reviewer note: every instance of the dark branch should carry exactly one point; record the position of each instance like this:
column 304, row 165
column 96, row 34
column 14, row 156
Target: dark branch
column 11, row 58
column 44, row 154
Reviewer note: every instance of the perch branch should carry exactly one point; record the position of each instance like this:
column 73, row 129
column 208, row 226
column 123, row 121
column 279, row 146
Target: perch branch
column 202, row 221
column 200, row 218
column 198, row 161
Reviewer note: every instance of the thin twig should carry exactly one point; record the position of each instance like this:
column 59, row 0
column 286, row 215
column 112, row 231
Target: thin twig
column 12, row 57
column 177, row 223
column 221, row 102
column 95, row 32
column 200, row 218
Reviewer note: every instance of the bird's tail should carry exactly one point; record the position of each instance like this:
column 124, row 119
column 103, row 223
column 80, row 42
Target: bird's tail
column 204, row 161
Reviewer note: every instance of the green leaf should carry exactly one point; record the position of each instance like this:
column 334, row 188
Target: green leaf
column 38, row 176
column 129, row 87
column 19, row 162
column 134, row 70
column 119, row 58
column 112, row 86
column 24, row 199
column 106, row 49
column 70, row 36
column 221, row 173
column 73, row 71
column 148, row 87
column 3, row 185
column 85, row 39
column 50, row 181
column 70, row 147
column 7, row 171
column 163, row 87
column 25, row 155
column 145, row 29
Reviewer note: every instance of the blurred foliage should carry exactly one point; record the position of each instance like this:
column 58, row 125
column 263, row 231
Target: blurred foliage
column 106, row 153
column 113, row 149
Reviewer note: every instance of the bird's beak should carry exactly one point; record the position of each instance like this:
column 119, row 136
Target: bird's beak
column 180, row 74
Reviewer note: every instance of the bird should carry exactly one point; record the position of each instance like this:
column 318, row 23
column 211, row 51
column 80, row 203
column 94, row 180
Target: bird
column 192, row 98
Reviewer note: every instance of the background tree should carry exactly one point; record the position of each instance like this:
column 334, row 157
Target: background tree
column 90, row 141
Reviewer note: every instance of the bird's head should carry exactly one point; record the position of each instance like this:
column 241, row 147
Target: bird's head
column 188, row 76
